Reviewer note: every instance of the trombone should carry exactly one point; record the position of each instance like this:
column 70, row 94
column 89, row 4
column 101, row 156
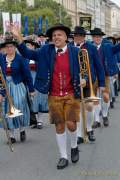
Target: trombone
column 84, row 64
column 13, row 112
column 85, row 70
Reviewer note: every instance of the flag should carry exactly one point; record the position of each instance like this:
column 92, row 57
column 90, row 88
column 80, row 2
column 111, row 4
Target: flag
column 35, row 26
column 6, row 21
column 16, row 19
column 46, row 24
column 40, row 24
column 25, row 25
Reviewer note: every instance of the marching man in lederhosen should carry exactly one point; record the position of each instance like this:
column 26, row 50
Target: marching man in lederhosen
column 58, row 75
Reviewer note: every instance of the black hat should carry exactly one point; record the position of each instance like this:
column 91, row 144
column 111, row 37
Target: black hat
column 41, row 34
column 97, row 31
column 79, row 30
column 32, row 42
column 57, row 27
column 8, row 40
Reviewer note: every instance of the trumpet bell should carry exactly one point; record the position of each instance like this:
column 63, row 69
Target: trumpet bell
column 92, row 99
column 14, row 112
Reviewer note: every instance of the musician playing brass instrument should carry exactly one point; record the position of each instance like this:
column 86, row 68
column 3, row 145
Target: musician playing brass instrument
column 97, row 73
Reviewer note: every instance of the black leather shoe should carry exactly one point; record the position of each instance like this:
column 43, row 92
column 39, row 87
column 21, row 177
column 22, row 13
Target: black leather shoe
column 74, row 155
column 80, row 140
column 22, row 136
column 91, row 136
column 13, row 140
column 96, row 125
column 62, row 163
column 105, row 121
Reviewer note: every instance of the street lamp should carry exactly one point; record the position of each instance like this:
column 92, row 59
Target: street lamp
column 60, row 15
column 76, row 7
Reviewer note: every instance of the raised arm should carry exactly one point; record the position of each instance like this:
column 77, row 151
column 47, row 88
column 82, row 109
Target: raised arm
column 25, row 52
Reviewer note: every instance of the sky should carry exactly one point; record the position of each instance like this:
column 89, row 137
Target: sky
column 117, row 2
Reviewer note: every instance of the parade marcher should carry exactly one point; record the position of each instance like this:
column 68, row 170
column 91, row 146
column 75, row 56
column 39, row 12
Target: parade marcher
column 17, row 76
column 38, row 103
column 97, row 73
column 58, row 74
column 106, row 53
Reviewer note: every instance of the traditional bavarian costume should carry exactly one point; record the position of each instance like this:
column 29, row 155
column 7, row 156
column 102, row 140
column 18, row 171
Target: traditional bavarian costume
column 17, row 77
column 97, row 72
column 64, row 104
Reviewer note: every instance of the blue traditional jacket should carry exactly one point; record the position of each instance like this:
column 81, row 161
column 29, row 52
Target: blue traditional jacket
column 20, row 71
column 109, row 51
column 45, row 57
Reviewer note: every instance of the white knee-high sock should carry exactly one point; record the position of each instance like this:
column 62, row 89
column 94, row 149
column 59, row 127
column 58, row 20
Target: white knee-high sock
column 62, row 144
column 105, row 108
column 80, row 127
column 73, row 138
column 90, row 119
column 97, row 113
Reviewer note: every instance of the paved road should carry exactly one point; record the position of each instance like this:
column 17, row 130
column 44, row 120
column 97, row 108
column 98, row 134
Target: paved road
column 36, row 159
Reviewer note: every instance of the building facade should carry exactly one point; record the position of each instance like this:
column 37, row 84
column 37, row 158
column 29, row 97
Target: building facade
column 115, row 20
column 108, row 29
column 94, row 13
